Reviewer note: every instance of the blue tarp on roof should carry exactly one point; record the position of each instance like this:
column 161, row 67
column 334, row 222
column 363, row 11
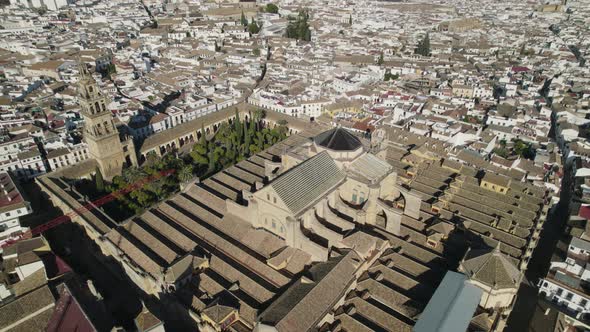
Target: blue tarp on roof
column 451, row 307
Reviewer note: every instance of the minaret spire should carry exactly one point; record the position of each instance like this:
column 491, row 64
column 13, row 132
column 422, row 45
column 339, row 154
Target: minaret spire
column 83, row 69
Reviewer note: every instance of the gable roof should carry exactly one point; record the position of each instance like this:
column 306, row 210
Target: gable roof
column 69, row 314
column 224, row 304
column 306, row 182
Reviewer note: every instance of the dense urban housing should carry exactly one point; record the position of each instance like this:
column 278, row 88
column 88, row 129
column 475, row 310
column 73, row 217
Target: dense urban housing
column 237, row 165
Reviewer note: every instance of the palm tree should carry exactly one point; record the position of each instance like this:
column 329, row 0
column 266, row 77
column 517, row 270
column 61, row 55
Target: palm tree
column 151, row 158
column 185, row 174
column 133, row 174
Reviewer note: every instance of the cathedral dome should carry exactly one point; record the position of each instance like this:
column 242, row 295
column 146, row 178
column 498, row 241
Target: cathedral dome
column 338, row 139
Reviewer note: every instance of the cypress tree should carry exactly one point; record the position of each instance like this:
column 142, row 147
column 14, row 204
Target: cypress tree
column 99, row 181
column 424, row 46
column 203, row 140
column 238, row 126
column 246, row 138
column 212, row 161
column 253, row 28
column 243, row 19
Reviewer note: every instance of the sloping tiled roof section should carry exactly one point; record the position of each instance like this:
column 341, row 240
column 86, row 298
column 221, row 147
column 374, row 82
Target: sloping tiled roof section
column 370, row 167
column 305, row 303
column 306, row 182
column 338, row 139
column 146, row 320
column 492, row 268
column 28, row 309
column 69, row 315
column 33, row 281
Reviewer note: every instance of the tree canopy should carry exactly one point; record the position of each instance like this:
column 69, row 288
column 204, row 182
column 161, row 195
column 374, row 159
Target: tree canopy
column 523, row 149
column 390, row 77
column 271, row 8
column 235, row 142
column 253, row 27
column 423, row 46
column 299, row 28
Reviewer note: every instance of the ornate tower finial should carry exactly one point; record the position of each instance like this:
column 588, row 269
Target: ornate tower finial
column 82, row 69
column 497, row 249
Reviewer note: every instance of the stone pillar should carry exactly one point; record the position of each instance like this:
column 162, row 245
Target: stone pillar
column 394, row 220
column 320, row 208
column 413, row 203
column 371, row 204
column 292, row 230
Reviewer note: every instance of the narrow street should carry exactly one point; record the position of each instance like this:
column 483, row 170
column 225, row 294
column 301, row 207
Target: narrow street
column 525, row 315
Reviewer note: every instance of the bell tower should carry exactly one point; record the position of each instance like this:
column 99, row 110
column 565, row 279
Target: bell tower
column 100, row 133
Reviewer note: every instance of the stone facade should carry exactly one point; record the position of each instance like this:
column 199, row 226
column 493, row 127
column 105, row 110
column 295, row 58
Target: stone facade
column 106, row 145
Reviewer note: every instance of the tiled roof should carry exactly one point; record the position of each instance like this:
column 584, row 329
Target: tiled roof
column 306, row 182
column 305, row 303
column 69, row 315
column 146, row 321
column 370, row 167
column 39, row 300
column 10, row 197
column 491, row 268
column 57, row 152
column 496, row 179
column 33, row 281
column 134, row 253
